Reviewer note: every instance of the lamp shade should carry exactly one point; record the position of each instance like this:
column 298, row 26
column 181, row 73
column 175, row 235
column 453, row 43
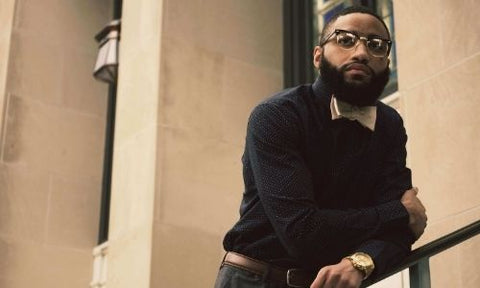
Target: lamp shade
column 106, row 66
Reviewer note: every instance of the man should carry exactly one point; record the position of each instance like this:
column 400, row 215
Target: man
column 328, row 199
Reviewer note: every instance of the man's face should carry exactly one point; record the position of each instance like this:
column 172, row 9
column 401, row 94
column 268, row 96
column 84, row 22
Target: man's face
column 355, row 75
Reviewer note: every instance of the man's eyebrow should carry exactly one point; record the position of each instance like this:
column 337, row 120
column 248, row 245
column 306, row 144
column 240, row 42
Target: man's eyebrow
column 373, row 35
column 370, row 35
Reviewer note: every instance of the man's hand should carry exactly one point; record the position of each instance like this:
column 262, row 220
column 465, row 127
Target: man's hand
column 416, row 211
column 341, row 275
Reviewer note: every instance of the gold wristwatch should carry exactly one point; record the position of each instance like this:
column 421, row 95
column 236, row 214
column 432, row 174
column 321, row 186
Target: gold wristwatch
column 362, row 262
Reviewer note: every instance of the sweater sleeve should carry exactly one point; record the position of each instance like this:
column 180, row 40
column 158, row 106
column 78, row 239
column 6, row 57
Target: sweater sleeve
column 390, row 246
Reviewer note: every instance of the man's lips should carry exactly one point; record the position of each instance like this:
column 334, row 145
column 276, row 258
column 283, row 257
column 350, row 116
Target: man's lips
column 359, row 67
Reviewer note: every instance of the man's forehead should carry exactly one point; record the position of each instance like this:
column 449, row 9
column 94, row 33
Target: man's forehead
column 362, row 23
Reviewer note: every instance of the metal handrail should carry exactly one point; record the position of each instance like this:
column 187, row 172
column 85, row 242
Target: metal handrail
column 418, row 258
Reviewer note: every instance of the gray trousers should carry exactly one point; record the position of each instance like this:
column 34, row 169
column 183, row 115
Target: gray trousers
column 233, row 277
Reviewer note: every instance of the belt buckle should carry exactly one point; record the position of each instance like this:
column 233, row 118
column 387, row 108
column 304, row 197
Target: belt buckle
column 290, row 279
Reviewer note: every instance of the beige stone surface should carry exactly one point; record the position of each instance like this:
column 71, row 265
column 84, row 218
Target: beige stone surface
column 439, row 66
column 51, row 147
column 432, row 45
column 246, row 30
column 133, row 184
column 23, row 203
column 129, row 258
column 205, row 118
column 6, row 22
column 219, row 59
column 29, row 264
column 53, row 138
column 57, row 21
column 442, row 152
column 201, row 180
column 184, row 257
column 79, row 91
column 135, row 166
column 34, row 68
column 441, row 272
column 47, row 67
column 138, row 84
column 204, row 109
column 418, row 40
column 192, row 86
column 73, row 212
column 460, row 28
column 468, row 260
column 462, row 256
column 436, row 229
column 467, row 217
column 469, row 250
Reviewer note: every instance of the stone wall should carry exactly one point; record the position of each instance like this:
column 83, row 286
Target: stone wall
column 51, row 146
column 438, row 68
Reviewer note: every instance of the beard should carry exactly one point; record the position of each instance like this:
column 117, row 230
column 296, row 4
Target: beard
column 355, row 94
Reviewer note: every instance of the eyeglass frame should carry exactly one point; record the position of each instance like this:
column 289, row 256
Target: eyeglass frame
column 366, row 39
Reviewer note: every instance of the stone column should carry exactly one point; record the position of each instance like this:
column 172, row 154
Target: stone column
column 135, row 149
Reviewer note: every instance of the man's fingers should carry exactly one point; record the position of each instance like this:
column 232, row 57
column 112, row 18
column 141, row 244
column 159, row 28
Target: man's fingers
column 319, row 280
column 415, row 191
column 416, row 210
column 332, row 282
column 410, row 193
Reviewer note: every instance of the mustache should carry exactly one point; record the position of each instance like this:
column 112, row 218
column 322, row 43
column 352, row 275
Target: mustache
column 349, row 65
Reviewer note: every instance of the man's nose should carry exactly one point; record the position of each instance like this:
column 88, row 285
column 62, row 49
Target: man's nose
column 360, row 51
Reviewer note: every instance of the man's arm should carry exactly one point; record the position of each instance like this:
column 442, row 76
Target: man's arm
column 417, row 212
column 387, row 250
column 390, row 246
column 285, row 190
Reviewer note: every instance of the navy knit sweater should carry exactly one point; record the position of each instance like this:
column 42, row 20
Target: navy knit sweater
column 316, row 189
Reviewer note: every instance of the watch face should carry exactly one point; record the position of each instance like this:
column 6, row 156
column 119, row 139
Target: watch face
column 362, row 260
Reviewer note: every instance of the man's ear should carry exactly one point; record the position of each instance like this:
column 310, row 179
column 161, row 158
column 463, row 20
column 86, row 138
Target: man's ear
column 317, row 56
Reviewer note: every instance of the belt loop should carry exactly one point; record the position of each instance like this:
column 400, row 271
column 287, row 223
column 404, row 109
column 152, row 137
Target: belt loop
column 223, row 260
column 224, row 256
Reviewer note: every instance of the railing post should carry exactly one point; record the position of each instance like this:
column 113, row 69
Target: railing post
column 420, row 274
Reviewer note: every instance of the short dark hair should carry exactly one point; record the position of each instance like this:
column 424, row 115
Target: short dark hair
column 346, row 11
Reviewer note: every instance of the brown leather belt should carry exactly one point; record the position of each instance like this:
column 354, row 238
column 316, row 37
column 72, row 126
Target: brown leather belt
column 290, row 277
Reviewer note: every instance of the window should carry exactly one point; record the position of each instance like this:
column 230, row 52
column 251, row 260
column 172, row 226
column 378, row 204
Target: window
column 298, row 42
column 324, row 9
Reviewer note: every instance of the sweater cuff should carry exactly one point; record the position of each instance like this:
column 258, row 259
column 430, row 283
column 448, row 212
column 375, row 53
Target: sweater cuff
column 393, row 214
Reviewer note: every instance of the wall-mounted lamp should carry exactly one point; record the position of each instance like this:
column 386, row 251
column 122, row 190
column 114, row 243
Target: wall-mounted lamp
column 106, row 67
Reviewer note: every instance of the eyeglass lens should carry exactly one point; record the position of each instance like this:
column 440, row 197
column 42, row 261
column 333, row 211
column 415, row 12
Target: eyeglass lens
column 376, row 46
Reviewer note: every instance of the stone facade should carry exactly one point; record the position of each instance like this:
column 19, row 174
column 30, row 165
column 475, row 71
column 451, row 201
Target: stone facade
column 51, row 146
column 438, row 49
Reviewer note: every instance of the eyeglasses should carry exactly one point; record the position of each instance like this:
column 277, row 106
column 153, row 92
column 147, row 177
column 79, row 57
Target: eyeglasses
column 376, row 46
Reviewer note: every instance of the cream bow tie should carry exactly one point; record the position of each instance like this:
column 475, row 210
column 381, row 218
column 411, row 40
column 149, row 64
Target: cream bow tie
column 366, row 115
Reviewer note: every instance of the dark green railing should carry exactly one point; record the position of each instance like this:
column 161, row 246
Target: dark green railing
column 418, row 260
